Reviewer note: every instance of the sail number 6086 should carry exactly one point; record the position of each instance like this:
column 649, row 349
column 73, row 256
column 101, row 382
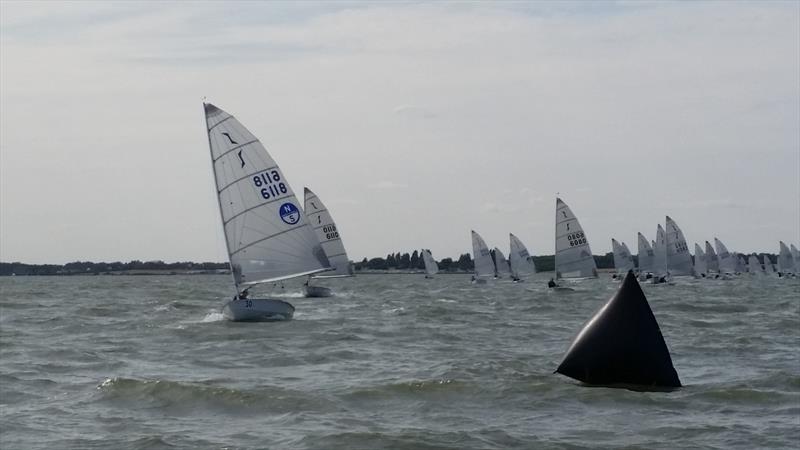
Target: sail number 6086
column 270, row 184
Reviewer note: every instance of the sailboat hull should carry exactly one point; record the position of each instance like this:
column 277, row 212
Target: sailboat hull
column 258, row 310
column 316, row 291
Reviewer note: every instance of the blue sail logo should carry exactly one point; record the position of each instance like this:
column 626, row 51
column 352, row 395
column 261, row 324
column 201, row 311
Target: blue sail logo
column 289, row 213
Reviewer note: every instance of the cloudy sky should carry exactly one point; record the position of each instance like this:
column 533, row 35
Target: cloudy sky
column 414, row 122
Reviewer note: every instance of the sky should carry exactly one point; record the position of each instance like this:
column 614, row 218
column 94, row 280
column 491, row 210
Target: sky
column 414, row 122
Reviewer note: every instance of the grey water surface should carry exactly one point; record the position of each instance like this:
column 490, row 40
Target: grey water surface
column 392, row 361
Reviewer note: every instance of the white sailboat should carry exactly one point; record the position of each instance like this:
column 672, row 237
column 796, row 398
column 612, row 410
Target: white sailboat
column 754, row 265
column 647, row 257
column 519, row 259
column 679, row 261
column 573, row 255
column 501, row 266
column 328, row 235
column 484, row 266
column 267, row 236
column 785, row 260
column 795, row 258
column 712, row 261
column 768, row 267
column 700, row 265
column 727, row 260
column 623, row 262
column 431, row 268
column 660, row 272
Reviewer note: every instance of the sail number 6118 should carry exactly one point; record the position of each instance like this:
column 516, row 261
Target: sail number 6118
column 270, row 184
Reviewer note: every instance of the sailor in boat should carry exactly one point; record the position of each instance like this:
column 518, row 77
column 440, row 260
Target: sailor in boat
column 243, row 295
column 552, row 283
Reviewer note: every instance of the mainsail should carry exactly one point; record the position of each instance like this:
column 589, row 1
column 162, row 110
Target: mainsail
column 519, row 259
column 795, row 258
column 768, row 265
column 501, row 266
column 623, row 262
column 754, row 265
column 700, row 266
column 328, row 235
column 660, row 250
column 267, row 235
column 712, row 261
column 646, row 255
column 431, row 268
column 727, row 260
column 679, row 261
column 785, row 259
column 484, row 266
column 573, row 256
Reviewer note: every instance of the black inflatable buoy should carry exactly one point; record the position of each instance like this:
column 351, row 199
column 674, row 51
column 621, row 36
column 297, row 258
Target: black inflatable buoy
column 622, row 346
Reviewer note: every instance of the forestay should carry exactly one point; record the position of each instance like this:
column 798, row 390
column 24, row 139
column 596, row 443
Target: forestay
column 700, row 266
column 646, row 255
column 328, row 235
column 519, row 259
column 484, row 266
column 727, row 260
column 267, row 235
column 431, row 268
column 573, row 256
column 712, row 261
column 679, row 260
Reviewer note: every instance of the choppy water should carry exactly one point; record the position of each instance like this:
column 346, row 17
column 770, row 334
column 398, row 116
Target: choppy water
column 390, row 362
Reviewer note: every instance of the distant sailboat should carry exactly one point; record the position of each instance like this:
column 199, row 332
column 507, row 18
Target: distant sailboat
column 754, row 265
column 785, row 260
column 573, row 256
column 768, row 268
column 679, row 261
column 501, row 266
column 712, row 261
column 431, row 268
column 484, row 266
column 660, row 272
column 647, row 257
column 795, row 258
column 519, row 259
column 328, row 234
column 727, row 260
column 700, row 266
column 267, row 235
column 623, row 262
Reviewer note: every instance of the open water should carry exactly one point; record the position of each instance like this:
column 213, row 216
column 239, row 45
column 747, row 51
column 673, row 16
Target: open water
column 392, row 361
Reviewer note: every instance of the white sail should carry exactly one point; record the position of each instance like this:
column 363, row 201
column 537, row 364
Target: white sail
column 660, row 250
column 431, row 268
column 622, row 258
column 501, row 266
column 727, row 260
column 328, row 235
column 712, row 261
column 573, row 255
column 627, row 251
column 754, row 265
column 646, row 255
column 785, row 259
column 741, row 265
column 700, row 266
column 519, row 259
column 679, row 260
column 267, row 235
column 795, row 258
column 484, row 266
column 768, row 268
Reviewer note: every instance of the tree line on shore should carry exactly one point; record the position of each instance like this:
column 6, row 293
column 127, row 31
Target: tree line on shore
column 393, row 261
